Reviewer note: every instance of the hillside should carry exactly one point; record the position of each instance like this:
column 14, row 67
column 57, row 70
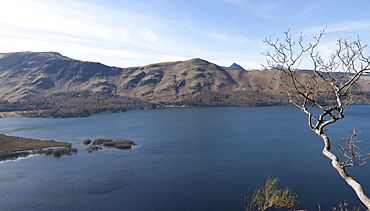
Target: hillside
column 52, row 85
column 28, row 74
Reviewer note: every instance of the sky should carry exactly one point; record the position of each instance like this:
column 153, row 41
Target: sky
column 127, row 33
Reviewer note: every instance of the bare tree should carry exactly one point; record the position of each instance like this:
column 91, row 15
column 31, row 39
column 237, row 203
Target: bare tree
column 329, row 87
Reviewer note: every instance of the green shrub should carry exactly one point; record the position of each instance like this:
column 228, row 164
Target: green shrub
column 270, row 196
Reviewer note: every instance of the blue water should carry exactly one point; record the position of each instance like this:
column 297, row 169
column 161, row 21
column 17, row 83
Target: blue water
column 186, row 159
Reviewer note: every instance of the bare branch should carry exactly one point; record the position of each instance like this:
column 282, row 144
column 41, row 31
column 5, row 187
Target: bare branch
column 328, row 88
column 350, row 152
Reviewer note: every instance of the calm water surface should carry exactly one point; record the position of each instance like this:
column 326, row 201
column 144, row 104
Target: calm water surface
column 187, row 159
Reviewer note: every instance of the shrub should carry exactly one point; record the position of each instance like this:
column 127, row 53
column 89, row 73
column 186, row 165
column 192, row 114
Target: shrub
column 271, row 197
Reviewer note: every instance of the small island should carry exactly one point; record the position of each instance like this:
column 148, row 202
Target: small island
column 119, row 144
column 12, row 147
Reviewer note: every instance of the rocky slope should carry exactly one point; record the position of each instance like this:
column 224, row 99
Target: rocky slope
column 26, row 74
column 40, row 74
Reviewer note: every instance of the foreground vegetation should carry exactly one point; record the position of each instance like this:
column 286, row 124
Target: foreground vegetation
column 270, row 196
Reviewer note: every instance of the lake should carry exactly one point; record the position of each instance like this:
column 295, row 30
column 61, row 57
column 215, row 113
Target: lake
column 186, row 159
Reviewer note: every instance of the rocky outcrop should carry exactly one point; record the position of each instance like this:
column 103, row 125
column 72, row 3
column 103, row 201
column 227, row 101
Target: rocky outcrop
column 56, row 152
column 12, row 155
column 87, row 141
column 118, row 143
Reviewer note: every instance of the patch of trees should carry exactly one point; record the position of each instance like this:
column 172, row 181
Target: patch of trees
column 255, row 98
column 73, row 104
column 83, row 104
column 239, row 98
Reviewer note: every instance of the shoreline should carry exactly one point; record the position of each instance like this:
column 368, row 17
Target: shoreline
column 4, row 114
column 12, row 147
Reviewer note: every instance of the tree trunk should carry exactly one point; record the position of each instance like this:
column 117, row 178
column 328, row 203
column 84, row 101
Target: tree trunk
column 342, row 172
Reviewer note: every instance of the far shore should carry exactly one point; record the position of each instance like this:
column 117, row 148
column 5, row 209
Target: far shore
column 14, row 113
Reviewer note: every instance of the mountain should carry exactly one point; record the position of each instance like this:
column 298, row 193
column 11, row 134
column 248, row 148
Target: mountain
column 235, row 66
column 26, row 74
column 49, row 84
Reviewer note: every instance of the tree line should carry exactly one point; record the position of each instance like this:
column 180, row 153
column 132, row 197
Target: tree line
column 73, row 104
column 83, row 104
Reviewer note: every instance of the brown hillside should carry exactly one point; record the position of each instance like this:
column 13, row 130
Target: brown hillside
column 28, row 74
column 39, row 74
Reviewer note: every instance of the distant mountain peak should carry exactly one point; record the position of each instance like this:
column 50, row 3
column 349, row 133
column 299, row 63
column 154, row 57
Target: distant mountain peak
column 28, row 55
column 198, row 60
column 235, row 66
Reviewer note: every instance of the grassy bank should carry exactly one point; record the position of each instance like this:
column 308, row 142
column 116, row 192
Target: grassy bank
column 13, row 143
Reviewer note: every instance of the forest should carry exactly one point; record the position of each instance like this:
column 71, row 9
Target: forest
column 83, row 104
column 73, row 104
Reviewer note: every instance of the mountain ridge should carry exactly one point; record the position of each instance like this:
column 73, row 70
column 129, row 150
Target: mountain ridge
column 48, row 84
column 25, row 74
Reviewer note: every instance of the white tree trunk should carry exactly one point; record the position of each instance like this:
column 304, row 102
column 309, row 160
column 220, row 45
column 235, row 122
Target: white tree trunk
column 341, row 170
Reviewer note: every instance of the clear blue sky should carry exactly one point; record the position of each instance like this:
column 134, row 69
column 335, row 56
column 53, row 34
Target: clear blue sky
column 129, row 33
